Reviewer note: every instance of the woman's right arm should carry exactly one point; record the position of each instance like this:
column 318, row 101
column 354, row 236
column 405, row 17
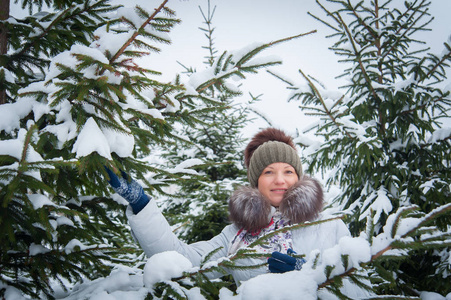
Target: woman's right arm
column 151, row 229
column 155, row 235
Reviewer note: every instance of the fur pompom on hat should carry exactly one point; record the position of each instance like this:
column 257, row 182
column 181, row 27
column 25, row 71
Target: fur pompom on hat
column 302, row 202
column 266, row 147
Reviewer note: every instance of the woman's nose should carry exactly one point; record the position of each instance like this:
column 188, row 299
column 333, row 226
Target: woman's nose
column 279, row 178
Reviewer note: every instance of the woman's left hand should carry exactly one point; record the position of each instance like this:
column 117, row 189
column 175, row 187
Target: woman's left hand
column 281, row 263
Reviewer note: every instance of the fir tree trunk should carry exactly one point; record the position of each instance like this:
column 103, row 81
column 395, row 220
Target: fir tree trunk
column 4, row 15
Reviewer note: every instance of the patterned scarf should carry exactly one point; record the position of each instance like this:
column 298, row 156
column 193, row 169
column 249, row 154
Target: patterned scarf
column 281, row 242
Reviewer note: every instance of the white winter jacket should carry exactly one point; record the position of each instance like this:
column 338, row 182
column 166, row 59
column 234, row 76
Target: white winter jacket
column 155, row 235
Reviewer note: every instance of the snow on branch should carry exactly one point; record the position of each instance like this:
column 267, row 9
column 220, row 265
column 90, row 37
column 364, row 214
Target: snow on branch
column 237, row 63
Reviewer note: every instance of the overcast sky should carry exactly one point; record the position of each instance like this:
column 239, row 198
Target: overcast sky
column 239, row 23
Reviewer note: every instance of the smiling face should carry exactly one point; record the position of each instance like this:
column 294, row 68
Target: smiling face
column 274, row 181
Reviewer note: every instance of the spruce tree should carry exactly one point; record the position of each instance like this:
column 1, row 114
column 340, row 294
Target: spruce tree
column 386, row 141
column 73, row 102
column 200, row 205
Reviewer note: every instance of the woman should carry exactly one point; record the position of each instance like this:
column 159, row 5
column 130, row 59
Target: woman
column 279, row 195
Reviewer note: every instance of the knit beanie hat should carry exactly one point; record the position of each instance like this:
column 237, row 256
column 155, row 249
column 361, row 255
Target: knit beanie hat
column 266, row 147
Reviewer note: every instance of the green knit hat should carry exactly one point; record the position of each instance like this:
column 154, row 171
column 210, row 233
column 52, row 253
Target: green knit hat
column 272, row 152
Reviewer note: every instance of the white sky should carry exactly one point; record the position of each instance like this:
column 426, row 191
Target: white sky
column 239, row 23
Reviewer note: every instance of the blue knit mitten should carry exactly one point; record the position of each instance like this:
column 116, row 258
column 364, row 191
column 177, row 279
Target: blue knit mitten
column 130, row 190
column 281, row 263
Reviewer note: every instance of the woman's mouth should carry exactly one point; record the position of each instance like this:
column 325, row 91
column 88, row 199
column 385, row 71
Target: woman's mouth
column 279, row 190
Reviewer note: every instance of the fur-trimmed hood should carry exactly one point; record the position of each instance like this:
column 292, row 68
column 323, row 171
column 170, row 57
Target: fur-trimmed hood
column 302, row 202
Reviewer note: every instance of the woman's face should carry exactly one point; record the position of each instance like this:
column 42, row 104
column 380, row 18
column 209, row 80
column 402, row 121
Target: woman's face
column 275, row 180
